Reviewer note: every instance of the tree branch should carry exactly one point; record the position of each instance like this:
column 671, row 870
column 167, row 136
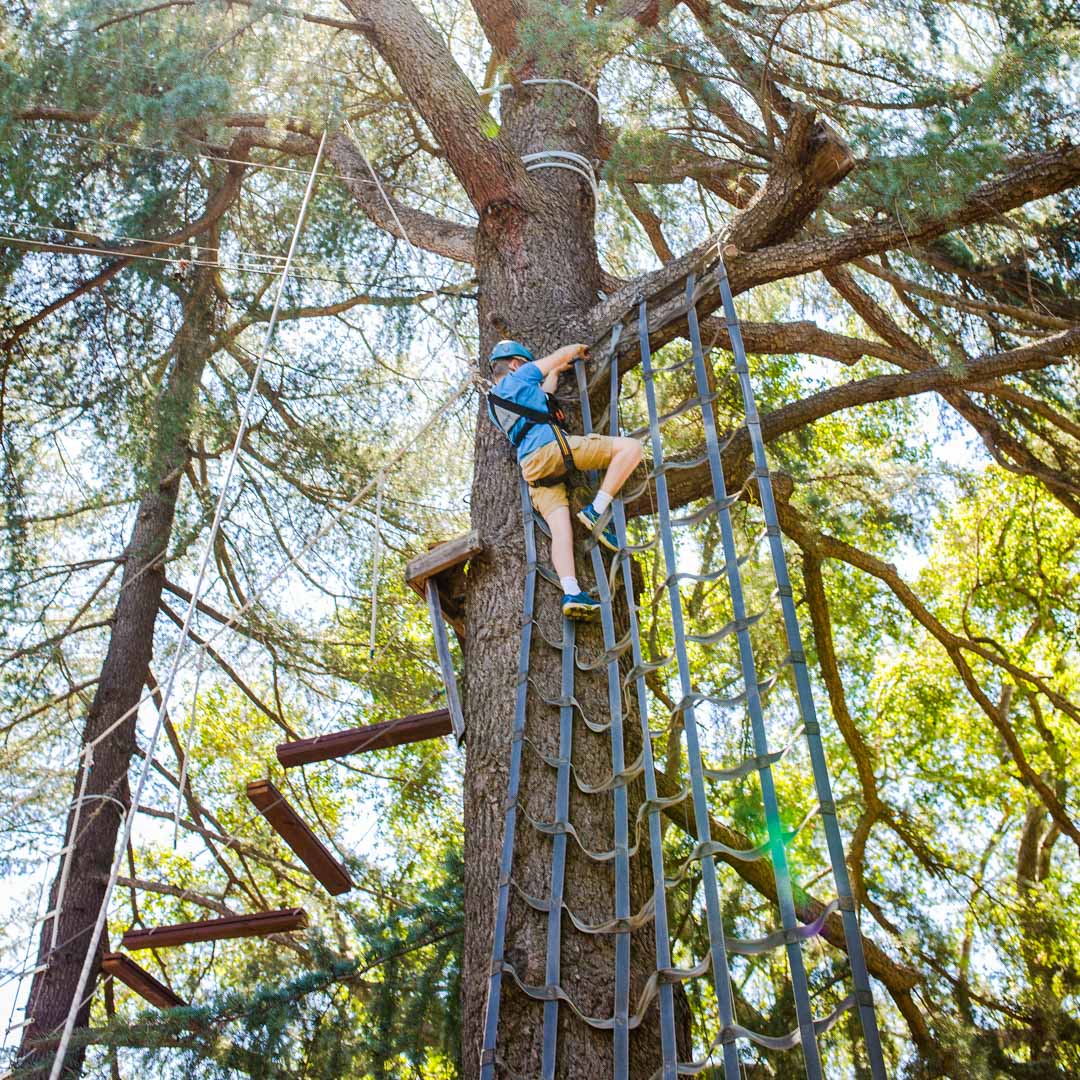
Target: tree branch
column 446, row 238
column 686, row 485
column 233, row 674
column 427, row 72
column 647, row 219
column 825, row 546
column 898, row 979
column 1008, row 451
column 293, row 13
column 499, row 20
column 216, row 206
column 1040, row 175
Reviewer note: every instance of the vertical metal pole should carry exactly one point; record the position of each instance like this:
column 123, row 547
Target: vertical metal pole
column 852, row 936
column 446, row 661
column 718, row 951
column 621, row 1012
column 502, row 906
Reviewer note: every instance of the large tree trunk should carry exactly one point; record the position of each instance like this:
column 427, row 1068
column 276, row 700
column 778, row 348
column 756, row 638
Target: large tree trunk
column 539, row 275
column 123, row 676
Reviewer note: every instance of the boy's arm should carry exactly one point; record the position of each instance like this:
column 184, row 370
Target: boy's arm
column 560, row 360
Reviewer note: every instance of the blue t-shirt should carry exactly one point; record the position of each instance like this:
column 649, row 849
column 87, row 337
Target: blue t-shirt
column 523, row 387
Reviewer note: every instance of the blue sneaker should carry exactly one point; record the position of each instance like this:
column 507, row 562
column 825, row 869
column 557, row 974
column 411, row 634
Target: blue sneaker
column 580, row 606
column 606, row 536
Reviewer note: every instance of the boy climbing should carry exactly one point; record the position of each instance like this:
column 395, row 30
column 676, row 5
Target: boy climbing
column 520, row 406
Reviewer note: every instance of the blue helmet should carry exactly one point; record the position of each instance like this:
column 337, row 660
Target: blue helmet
column 505, row 349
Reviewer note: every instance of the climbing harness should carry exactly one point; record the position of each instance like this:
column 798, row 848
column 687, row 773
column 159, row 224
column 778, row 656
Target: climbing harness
column 626, row 686
column 516, row 421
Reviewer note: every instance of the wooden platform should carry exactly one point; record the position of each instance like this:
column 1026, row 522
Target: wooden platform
column 292, row 828
column 445, row 563
column 231, row 926
column 140, row 980
column 406, row 729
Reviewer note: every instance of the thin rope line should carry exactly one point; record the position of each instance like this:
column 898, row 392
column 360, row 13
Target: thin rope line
column 530, row 82
column 260, row 165
column 120, row 253
column 190, row 735
column 451, row 323
column 90, row 958
column 69, row 853
column 275, row 260
column 276, row 575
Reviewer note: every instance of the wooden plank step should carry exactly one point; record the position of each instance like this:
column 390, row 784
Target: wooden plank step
column 406, row 729
column 292, row 828
column 444, row 564
column 231, row 926
column 441, row 557
column 141, row 981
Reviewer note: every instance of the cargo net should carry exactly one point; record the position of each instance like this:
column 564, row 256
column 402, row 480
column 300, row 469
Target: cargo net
column 703, row 682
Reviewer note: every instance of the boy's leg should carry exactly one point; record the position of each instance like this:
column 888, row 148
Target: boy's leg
column 626, row 456
column 619, row 457
column 562, row 541
column 553, row 506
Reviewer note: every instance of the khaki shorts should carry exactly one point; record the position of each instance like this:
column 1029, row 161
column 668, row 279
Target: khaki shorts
column 590, row 452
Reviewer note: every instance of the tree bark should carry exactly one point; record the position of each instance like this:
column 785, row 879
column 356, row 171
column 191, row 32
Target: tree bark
column 539, row 274
column 123, row 676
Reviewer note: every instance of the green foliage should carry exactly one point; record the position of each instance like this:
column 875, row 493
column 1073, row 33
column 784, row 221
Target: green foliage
column 935, row 100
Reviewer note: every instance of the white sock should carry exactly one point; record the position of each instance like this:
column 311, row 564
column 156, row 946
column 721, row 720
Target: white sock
column 601, row 501
column 570, row 586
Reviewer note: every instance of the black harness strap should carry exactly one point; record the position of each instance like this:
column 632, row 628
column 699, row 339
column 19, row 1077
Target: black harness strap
column 532, row 417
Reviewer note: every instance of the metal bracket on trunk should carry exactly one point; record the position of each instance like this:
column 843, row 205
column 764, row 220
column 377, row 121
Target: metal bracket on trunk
column 439, row 577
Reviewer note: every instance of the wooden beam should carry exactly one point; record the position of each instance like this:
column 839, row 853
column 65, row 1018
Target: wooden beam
column 445, row 564
column 231, row 926
column 292, row 828
column 141, row 981
column 406, row 729
column 442, row 557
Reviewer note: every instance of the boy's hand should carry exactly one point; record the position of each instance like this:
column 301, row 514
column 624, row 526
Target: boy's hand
column 561, row 359
column 571, row 354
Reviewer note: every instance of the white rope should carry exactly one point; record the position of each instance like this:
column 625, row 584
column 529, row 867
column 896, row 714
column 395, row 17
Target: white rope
column 451, row 323
column 188, row 739
column 488, row 91
column 564, row 159
column 69, row 847
column 432, row 285
column 353, row 502
column 264, row 166
column 376, row 554
column 556, row 159
column 62, row 248
column 283, row 569
column 41, row 897
column 90, row 959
